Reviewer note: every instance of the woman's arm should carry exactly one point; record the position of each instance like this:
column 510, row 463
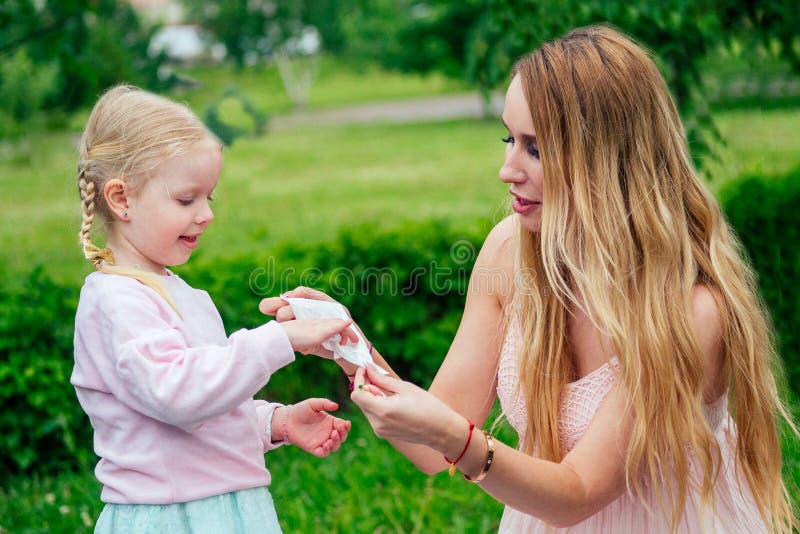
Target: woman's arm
column 589, row 477
column 466, row 378
column 561, row 493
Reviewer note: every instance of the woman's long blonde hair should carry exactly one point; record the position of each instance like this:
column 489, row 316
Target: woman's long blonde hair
column 128, row 134
column 627, row 232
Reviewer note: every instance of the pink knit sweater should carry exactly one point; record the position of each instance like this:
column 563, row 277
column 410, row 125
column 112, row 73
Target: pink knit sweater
column 171, row 398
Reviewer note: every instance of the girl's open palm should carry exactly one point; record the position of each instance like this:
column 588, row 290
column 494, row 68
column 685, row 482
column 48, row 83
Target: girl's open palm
column 314, row 430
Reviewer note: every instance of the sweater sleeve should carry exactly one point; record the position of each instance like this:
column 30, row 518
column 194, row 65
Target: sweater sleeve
column 163, row 377
column 265, row 411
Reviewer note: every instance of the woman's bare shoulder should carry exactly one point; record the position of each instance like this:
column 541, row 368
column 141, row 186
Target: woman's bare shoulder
column 493, row 273
column 500, row 246
column 707, row 325
column 706, row 313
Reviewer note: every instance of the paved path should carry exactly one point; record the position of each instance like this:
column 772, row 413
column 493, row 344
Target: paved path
column 435, row 108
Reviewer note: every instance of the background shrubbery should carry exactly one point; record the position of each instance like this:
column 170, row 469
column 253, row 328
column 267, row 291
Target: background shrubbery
column 765, row 212
column 42, row 427
column 405, row 287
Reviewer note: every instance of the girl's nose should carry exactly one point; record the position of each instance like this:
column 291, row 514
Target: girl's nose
column 205, row 215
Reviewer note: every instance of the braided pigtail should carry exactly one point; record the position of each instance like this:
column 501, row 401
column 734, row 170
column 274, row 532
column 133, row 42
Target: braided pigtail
column 87, row 189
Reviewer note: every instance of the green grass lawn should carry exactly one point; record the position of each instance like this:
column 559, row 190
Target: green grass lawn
column 305, row 185
column 757, row 142
column 300, row 186
column 365, row 487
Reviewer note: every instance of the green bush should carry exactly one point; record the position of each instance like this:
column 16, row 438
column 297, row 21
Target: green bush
column 23, row 88
column 233, row 116
column 405, row 287
column 41, row 424
column 764, row 211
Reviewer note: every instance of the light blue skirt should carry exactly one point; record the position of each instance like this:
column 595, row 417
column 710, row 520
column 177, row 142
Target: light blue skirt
column 239, row 512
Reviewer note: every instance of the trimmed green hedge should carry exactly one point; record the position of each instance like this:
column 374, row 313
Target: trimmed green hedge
column 406, row 288
column 41, row 424
column 765, row 211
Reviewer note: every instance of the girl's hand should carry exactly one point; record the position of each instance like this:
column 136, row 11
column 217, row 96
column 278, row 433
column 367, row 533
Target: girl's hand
column 312, row 429
column 282, row 312
column 307, row 335
column 399, row 410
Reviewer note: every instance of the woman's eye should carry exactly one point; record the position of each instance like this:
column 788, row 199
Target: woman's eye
column 532, row 150
column 185, row 201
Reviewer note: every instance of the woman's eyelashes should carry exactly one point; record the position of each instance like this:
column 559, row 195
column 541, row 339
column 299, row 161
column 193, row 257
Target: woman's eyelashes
column 531, row 148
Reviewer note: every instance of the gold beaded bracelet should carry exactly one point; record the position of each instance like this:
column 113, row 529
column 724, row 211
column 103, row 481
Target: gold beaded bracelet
column 489, row 458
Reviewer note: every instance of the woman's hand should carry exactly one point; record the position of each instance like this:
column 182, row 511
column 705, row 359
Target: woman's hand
column 282, row 311
column 402, row 411
column 310, row 428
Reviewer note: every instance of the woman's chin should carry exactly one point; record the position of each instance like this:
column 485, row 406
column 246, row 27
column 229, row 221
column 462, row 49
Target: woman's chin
column 532, row 222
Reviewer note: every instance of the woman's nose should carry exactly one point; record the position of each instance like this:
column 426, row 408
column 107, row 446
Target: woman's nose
column 510, row 174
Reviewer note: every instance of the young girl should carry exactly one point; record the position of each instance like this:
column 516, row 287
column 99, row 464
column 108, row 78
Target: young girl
column 170, row 396
column 632, row 355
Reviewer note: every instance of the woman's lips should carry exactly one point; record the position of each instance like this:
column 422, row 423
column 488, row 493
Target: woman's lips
column 523, row 205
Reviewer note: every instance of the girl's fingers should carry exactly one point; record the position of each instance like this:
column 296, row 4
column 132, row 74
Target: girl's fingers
column 285, row 314
column 269, row 306
column 319, row 330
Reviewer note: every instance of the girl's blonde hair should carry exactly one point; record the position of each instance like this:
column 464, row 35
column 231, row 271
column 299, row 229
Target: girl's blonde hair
column 628, row 231
column 129, row 133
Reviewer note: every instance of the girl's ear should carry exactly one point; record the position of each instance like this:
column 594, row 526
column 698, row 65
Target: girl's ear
column 116, row 198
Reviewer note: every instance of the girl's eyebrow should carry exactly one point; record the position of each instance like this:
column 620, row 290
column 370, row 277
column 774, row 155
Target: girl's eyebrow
column 529, row 138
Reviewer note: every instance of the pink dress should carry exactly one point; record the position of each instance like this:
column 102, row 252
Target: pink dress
column 736, row 510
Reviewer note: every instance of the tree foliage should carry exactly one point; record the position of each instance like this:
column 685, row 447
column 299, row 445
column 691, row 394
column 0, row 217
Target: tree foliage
column 257, row 28
column 409, row 35
column 24, row 86
column 93, row 43
column 481, row 39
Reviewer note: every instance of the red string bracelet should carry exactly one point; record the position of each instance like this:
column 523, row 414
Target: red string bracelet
column 350, row 379
column 452, row 468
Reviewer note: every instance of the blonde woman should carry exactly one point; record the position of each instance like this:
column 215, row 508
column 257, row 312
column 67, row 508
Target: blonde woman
column 628, row 349
column 180, row 438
